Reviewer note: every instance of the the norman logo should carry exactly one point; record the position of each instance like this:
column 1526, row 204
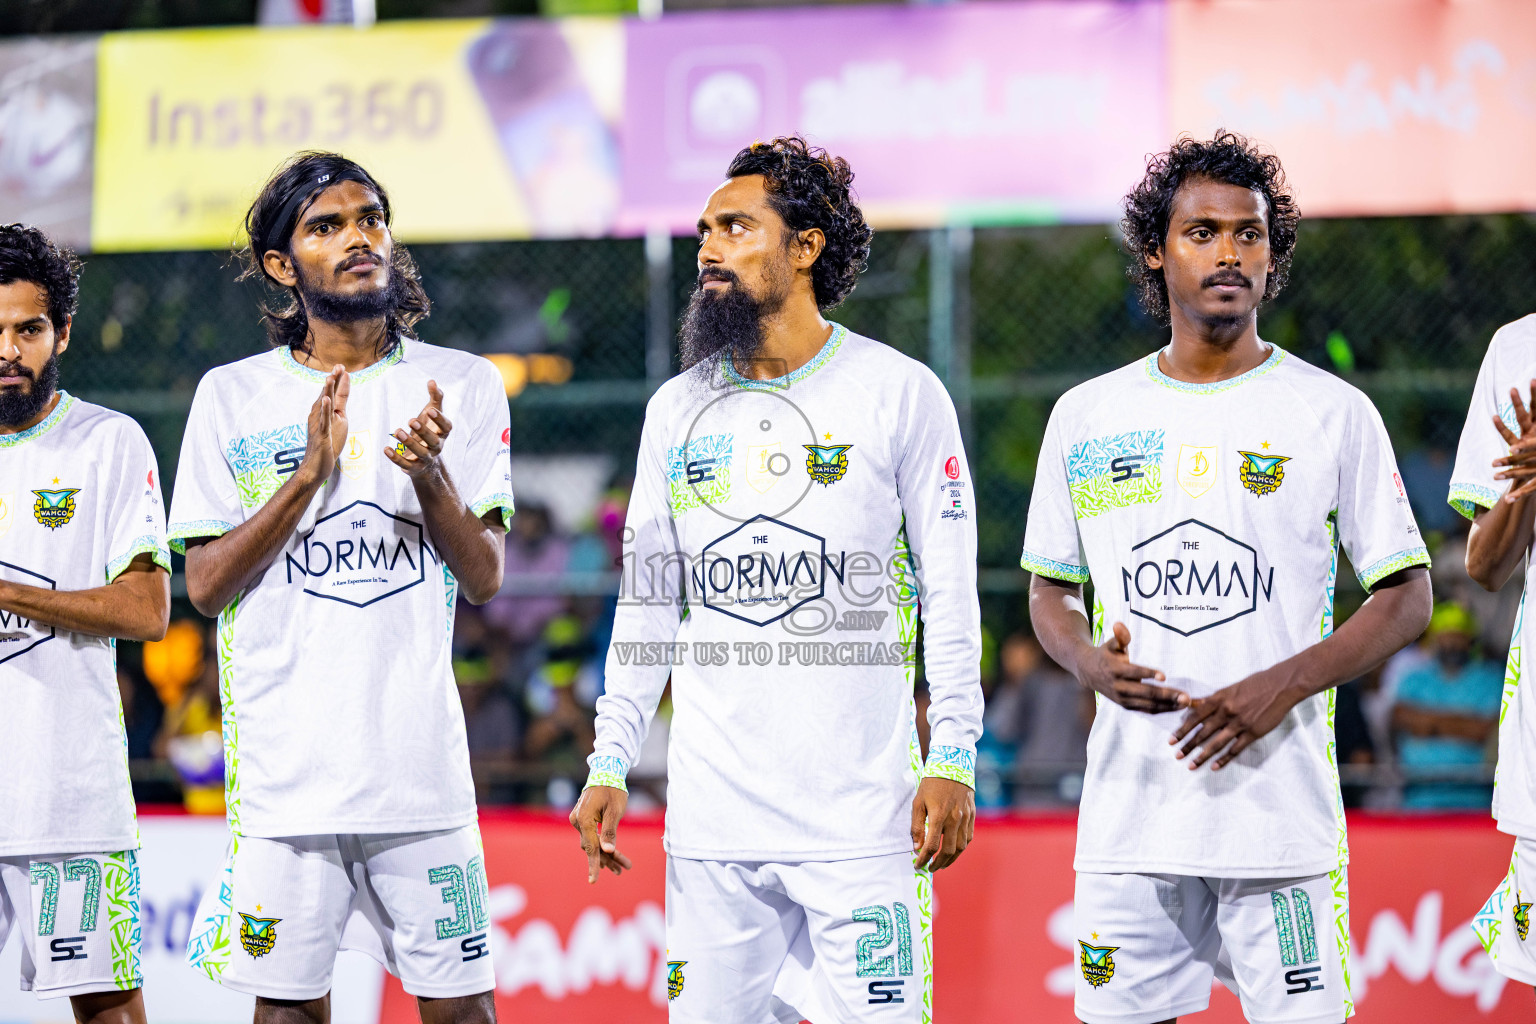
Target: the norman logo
column 19, row 634
column 764, row 569
column 1192, row 577
column 359, row 555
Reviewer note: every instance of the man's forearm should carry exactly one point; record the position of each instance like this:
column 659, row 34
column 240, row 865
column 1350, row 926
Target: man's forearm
column 1396, row 613
column 221, row 568
column 472, row 550
column 135, row 606
column 1499, row 539
column 1056, row 613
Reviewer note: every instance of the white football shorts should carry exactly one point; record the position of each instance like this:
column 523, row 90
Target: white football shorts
column 282, row 908
column 78, row 920
column 836, row 942
column 1504, row 923
column 1149, row 945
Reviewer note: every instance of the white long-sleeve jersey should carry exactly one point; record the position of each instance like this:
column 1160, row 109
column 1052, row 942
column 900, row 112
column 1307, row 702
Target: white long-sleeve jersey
column 783, row 539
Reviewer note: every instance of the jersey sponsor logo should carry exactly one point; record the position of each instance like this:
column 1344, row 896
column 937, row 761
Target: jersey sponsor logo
column 354, row 455
column 1304, row 979
column 765, row 569
column 700, row 472
column 258, row 934
column 287, row 460
column 1096, row 962
column 1262, row 474
column 1522, row 916
column 675, row 979
column 71, row 948
column 881, row 992
column 766, row 465
column 55, row 508
column 474, row 947
column 1115, row 471
column 7, row 503
column 952, row 468
column 19, row 634
column 827, row 463
column 1197, row 468
column 1192, row 577
column 360, row 555
column 506, row 436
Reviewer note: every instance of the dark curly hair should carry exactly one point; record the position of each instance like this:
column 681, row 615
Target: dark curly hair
column 1228, row 158
column 26, row 254
column 811, row 189
column 269, row 225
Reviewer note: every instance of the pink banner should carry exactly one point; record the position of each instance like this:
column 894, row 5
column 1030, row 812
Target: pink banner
column 1374, row 106
column 971, row 112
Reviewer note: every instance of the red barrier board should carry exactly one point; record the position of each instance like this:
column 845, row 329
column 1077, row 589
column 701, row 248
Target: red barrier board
column 570, row 953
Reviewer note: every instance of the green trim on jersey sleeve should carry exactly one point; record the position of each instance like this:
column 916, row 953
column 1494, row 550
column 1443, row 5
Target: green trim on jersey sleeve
column 501, row 500
column 954, row 763
column 148, row 544
column 1042, row 566
column 608, row 771
column 1376, row 571
column 180, row 533
column 1468, row 498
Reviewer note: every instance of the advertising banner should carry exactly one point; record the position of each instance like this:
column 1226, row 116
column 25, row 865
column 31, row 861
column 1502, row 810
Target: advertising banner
column 47, row 135
column 1374, row 106
column 1005, row 941
column 479, row 129
column 968, row 111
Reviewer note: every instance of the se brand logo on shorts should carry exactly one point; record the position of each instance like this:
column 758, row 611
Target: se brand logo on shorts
column 674, row 979
column 827, row 463
column 258, row 934
column 1097, row 964
column 1522, row 917
column 55, row 508
column 1262, row 474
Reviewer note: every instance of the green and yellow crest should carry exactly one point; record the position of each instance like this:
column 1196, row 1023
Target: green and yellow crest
column 674, row 979
column 258, row 934
column 1096, row 962
column 827, row 463
column 1522, row 917
column 1261, row 474
column 55, row 508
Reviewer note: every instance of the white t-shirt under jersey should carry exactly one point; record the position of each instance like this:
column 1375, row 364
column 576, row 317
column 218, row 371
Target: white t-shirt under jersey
column 795, row 509
column 1510, row 363
column 1208, row 517
column 79, row 499
column 340, row 711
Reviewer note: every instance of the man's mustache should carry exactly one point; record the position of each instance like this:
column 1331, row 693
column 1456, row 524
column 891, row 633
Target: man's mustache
column 1227, row 277
column 16, row 370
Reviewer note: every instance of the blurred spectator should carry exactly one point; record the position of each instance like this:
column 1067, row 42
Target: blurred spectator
column 191, row 734
column 561, row 693
column 1426, row 476
column 1352, row 734
column 535, row 555
column 1447, row 710
column 142, row 710
column 1043, row 715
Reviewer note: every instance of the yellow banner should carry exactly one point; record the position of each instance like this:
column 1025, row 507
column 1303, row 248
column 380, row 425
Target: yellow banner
column 465, row 123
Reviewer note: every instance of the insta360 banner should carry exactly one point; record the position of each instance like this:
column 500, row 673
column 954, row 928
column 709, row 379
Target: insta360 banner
column 1006, row 947
column 978, row 113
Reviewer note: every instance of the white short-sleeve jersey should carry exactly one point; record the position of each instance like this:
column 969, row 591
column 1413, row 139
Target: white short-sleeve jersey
column 802, row 521
column 79, row 500
column 1209, row 517
column 1510, row 363
column 340, row 712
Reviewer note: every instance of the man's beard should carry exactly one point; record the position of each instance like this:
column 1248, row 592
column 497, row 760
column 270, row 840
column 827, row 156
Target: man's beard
column 725, row 323
column 336, row 308
column 18, row 406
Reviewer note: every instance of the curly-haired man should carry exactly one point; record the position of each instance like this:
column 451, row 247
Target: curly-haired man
column 1205, row 490
column 329, row 520
column 799, row 488
column 82, row 560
